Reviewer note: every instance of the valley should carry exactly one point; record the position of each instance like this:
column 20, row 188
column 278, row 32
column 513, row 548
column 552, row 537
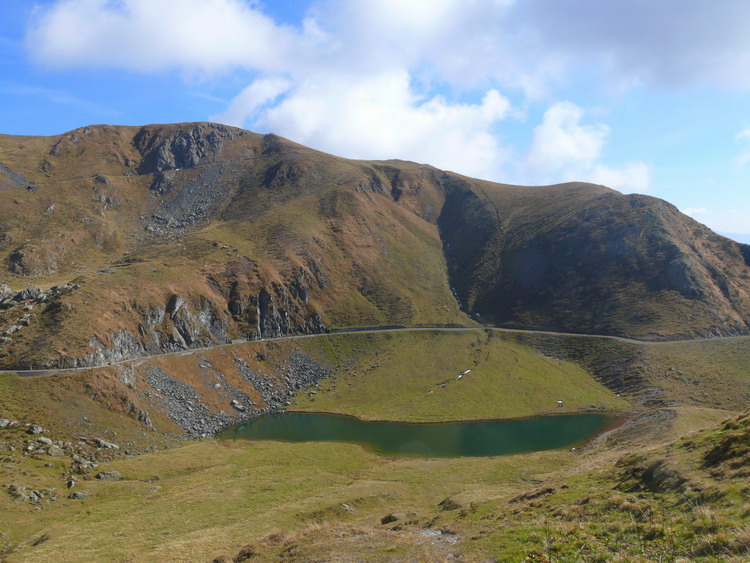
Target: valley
column 229, row 493
column 161, row 284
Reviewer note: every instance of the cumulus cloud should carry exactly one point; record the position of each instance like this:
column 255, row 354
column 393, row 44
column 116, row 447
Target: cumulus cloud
column 247, row 103
column 560, row 142
column 631, row 177
column 207, row 36
column 564, row 149
column 669, row 43
column 382, row 117
column 368, row 78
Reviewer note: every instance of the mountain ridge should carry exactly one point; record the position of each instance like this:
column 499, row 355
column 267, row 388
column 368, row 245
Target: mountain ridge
column 184, row 235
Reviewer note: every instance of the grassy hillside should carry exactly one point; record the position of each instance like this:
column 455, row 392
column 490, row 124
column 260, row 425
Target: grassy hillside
column 178, row 236
column 219, row 497
column 410, row 376
column 224, row 498
column 414, row 377
column 582, row 258
column 208, row 499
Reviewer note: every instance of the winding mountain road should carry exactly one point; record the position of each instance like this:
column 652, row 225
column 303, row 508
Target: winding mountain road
column 365, row 330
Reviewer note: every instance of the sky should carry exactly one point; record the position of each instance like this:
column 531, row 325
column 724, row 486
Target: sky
column 644, row 96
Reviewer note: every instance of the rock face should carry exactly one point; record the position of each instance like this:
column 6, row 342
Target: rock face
column 186, row 147
column 12, row 178
column 175, row 326
column 183, row 325
column 165, row 152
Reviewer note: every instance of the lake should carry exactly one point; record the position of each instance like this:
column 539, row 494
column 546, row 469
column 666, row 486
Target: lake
column 444, row 439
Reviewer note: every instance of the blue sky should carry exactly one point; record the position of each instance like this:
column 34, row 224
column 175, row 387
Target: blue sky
column 648, row 96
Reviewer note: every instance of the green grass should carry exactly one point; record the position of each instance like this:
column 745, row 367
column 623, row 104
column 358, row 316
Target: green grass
column 202, row 500
column 412, row 376
column 211, row 498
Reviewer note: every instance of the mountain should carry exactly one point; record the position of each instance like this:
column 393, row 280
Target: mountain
column 120, row 242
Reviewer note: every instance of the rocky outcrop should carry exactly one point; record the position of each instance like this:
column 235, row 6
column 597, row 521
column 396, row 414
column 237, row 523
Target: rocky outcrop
column 745, row 250
column 178, row 325
column 19, row 310
column 185, row 323
column 163, row 182
column 186, row 405
column 174, row 148
column 36, row 260
column 279, row 313
column 264, row 310
column 165, row 153
column 56, row 251
column 11, row 178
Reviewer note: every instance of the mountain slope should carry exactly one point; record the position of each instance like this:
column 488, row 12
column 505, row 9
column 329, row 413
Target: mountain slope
column 167, row 237
column 583, row 258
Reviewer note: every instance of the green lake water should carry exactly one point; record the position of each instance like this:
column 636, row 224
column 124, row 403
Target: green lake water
column 445, row 439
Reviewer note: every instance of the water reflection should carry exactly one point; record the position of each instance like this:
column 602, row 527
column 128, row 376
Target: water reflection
column 449, row 439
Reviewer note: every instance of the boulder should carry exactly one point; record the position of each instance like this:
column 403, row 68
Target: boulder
column 78, row 495
column 109, row 475
column 396, row 516
column 55, row 451
column 35, row 429
column 4, row 423
column 44, row 440
column 106, row 445
column 6, row 292
column 27, row 294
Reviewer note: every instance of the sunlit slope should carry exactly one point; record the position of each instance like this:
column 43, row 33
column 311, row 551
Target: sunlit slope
column 438, row 376
column 190, row 235
column 187, row 235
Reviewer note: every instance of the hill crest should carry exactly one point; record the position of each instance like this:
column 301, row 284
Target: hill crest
column 254, row 235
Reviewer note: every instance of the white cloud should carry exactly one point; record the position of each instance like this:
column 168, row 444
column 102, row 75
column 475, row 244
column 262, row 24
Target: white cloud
column 357, row 77
column 632, row 177
column 381, row 117
column 205, row 36
column 468, row 43
column 665, row 43
column 564, row 149
column 247, row 103
column 561, row 144
column 508, row 43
